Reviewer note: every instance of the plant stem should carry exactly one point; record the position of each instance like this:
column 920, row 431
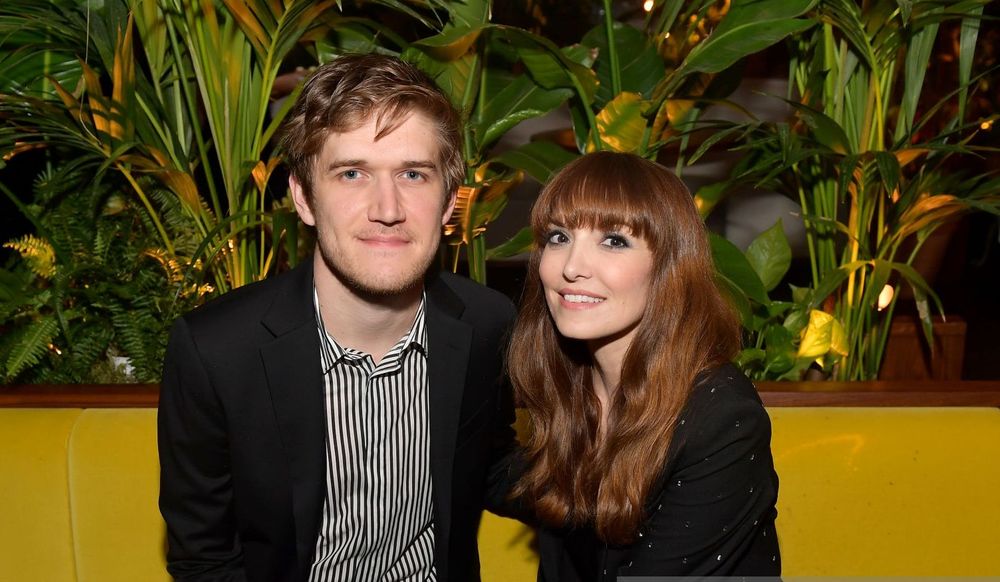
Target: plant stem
column 609, row 28
column 153, row 215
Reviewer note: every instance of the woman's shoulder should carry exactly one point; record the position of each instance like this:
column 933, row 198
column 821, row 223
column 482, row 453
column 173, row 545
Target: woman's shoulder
column 723, row 404
column 723, row 389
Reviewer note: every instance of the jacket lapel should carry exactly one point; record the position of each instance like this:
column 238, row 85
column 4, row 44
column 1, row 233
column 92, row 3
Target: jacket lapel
column 294, row 378
column 449, row 341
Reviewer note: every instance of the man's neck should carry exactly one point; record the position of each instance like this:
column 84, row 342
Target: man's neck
column 367, row 323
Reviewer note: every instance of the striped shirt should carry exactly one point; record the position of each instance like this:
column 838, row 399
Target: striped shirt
column 377, row 516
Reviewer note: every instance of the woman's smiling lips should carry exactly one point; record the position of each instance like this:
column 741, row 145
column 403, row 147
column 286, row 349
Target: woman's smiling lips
column 577, row 299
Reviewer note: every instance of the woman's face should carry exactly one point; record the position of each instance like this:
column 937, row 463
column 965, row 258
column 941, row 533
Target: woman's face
column 596, row 282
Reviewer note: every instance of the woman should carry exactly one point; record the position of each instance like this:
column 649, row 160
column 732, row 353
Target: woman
column 649, row 452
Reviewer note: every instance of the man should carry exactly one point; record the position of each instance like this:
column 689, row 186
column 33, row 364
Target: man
column 346, row 420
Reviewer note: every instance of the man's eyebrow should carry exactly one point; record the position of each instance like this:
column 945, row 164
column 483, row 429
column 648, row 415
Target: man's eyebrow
column 334, row 164
column 419, row 164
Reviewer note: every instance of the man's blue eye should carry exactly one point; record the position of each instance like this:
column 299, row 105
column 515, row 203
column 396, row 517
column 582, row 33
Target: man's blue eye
column 351, row 174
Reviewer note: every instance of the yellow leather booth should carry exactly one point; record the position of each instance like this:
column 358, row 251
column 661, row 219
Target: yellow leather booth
column 864, row 491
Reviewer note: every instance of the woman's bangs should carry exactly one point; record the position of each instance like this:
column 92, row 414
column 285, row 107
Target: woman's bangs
column 595, row 204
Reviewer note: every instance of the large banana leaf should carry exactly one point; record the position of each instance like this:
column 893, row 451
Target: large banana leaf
column 640, row 66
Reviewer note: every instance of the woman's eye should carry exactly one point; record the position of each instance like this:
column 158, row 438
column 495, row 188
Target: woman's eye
column 556, row 237
column 616, row 241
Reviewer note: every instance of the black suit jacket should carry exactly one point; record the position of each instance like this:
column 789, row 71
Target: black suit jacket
column 241, row 428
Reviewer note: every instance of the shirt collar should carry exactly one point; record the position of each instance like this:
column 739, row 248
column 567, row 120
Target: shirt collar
column 332, row 352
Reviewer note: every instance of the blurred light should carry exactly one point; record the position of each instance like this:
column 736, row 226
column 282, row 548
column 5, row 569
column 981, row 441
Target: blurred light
column 648, row 5
column 986, row 125
column 885, row 297
column 666, row 35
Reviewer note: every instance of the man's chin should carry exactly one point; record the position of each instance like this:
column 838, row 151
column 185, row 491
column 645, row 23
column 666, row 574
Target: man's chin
column 387, row 283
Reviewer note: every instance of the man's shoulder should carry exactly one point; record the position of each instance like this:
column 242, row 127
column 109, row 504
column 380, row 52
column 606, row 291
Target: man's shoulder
column 243, row 305
column 478, row 299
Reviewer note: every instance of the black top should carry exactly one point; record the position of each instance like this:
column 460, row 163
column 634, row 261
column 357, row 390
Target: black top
column 712, row 511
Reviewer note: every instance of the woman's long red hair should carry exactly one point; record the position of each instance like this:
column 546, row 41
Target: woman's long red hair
column 574, row 477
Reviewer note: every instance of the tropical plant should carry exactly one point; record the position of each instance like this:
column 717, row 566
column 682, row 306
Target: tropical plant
column 654, row 82
column 91, row 284
column 785, row 338
column 625, row 88
column 874, row 163
column 179, row 90
column 163, row 108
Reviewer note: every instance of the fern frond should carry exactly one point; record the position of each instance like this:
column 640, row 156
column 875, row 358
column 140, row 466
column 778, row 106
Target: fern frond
column 37, row 253
column 29, row 346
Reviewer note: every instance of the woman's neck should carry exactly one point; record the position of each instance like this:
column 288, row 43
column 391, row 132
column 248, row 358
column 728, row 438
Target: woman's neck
column 607, row 361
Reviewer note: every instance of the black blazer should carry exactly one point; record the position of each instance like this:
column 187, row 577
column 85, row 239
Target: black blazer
column 241, row 428
column 712, row 511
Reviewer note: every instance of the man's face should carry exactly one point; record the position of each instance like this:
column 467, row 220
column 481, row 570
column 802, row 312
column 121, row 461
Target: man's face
column 378, row 206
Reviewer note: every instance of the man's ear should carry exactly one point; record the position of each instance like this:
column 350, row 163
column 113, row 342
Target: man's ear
column 302, row 203
column 449, row 207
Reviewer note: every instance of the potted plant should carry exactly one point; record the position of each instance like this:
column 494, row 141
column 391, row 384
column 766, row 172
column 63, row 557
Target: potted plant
column 876, row 167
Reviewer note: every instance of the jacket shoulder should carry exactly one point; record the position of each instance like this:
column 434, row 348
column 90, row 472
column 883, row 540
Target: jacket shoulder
column 244, row 307
column 481, row 302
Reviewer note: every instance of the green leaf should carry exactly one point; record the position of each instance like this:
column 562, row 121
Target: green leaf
column 516, row 245
column 747, row 356
column 452, row 44
column 550, row 66
column 770, row 256
column 641, row 67
column 888, row 169
column 738, row 299
column 708, row 197
column 779, row 349
column 826, row 131
column 733, row 266
column 919, row 285
column 31, row 346
column 721, row 50
column 966, row 52
column 451, row 77
column 743, row 12
column 519, row 100
column 540, row 159
column 796, row 321
column 621, row 124
column 829, row 282
column 467, row 13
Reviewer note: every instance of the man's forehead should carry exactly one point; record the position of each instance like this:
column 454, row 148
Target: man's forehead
column 414, row 133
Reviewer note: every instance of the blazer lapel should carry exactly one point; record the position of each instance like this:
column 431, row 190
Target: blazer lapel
column 449, row 342
column 295, row 381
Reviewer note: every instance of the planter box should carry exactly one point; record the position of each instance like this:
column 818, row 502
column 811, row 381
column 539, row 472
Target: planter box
column 907, row 356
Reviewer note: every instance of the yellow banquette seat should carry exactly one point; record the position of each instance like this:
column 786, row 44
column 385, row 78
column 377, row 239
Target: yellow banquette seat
column 865, row 491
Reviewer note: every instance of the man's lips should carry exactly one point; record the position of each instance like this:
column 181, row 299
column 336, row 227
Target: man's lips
column 384, row 240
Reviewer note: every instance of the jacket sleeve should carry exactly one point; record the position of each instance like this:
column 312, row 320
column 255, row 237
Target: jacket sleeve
column 507, row 463
column 196, row 497
column 507, row 466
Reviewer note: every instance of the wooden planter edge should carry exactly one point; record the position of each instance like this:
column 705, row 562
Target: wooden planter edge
column 866, row 394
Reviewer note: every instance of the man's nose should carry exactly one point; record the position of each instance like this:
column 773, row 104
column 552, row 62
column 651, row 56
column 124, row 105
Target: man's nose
column 386, row 206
